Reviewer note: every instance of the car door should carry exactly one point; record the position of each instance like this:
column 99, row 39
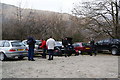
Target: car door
column 99, row 45
column 106, row 44
column 2, row 46
column 78, row 46
column 6, row 46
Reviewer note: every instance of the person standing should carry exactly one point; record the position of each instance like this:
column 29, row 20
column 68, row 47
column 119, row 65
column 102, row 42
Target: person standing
column 65, row 44
column 44, row 47
column 31, row 43
column 50, row 45
column 92, row 43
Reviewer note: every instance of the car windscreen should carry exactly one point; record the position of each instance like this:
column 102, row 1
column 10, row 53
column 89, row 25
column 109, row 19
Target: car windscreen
column 17, row 44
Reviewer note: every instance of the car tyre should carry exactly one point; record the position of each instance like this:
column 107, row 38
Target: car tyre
column 81, row 52
column 114, row 51
column 77, row 54
column 2, row 56
column 21, row 57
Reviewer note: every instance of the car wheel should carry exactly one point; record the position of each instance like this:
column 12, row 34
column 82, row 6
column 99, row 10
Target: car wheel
column 114, row 51
column 21, row 57
column 77, row 53
column 2, row 56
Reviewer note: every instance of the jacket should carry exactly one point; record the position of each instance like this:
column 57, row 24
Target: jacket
column 31, row 42
column 43, row 45
column 50, row 43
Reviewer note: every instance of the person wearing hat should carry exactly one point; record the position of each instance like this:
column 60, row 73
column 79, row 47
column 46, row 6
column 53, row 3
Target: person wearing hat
column 31, row 43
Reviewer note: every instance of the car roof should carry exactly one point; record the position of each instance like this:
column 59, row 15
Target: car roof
column 11, row 40
column 108, row 39
column 79, row 42
column 35, row 40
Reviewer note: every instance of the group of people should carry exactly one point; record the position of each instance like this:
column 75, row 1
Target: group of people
column 46, row 45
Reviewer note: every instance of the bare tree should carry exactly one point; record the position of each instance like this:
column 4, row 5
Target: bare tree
column 102, row 17
column 40, row 24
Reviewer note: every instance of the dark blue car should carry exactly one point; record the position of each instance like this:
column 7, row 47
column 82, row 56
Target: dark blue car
column 112, row 45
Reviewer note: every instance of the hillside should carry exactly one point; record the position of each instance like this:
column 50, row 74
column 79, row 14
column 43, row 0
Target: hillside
column 11, row 11
column 38, row 23
column 41, row 23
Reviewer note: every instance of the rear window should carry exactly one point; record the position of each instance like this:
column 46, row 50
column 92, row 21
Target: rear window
column 58, row 44
column 77, row 44
column 38, row 42
column 17, row 44
column 25, row 42
column 85, row 44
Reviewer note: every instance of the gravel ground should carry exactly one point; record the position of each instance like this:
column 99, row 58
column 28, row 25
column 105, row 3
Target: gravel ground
column 100, row 66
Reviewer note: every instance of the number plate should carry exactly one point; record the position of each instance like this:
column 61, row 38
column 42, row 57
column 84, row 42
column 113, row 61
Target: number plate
column 20, row 49
column 87, row 48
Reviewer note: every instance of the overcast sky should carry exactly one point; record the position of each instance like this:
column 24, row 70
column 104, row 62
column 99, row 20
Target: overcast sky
column 63, row 6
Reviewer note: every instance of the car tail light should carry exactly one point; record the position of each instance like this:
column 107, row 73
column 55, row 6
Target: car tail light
column 26, row 49
column 12, row 50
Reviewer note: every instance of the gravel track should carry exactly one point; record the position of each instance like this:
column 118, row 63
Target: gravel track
column 100, row 66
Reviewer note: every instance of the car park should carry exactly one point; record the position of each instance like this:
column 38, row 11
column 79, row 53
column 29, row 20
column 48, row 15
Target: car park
column 82, row 47
column 12, row 49
column 112, row 45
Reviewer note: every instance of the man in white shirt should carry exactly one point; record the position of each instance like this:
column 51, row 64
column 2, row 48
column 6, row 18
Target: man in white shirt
column 50, row 45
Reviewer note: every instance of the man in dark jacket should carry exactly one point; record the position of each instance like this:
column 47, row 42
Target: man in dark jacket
column 92, row 43
column 65, row 44
column 31, row 42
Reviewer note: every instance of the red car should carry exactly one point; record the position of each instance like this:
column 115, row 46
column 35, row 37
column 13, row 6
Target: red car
column 81, row 47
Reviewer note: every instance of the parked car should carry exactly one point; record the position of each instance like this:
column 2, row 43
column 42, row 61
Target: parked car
column 70, row 48
column 12, row 49
column 37, row 44
column 112, row 45
column 82, row 47
column 59, row 49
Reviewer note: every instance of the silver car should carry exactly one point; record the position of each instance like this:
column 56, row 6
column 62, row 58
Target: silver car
column 12, row 49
